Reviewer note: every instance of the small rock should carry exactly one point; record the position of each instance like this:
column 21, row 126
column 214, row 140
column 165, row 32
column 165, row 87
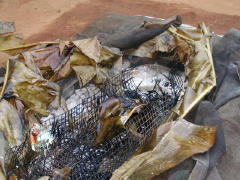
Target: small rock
column 7, row 27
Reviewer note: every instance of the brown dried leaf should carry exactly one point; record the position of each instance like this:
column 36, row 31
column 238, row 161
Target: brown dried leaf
column 28, row 47
column 113, row 118
column 31, row 118
column 35, row 92
column 30, row 63
column 89, row 47
column 44, row 61
column 10, row 41
column 110, row 107
column 182, row 141
column 103, row 59
column 199, row 68
column 101, row 75
column 110, row 127
column 109, row 56
column 165, row 42
column 192, row 48
column 10, row 123
column 2, row 176
column 47, row 57
column 79, row 59
column 76, row 59
column 84, row 74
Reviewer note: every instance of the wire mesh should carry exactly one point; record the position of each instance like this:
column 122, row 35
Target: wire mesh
column 75, row 132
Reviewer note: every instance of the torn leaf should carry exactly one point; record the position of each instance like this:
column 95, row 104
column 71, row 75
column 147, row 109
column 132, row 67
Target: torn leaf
column 84, row 74
column 10, row 123
column 193, row 49
column 164, row 42
column 89, row 47
column 182, row 141
column 28, row 47
column 114, row 117
column 30, row 63
column 47, row 57
column 35, row 92
column 10, row 41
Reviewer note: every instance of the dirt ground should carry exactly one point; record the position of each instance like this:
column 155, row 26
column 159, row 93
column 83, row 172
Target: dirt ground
column 40, row 20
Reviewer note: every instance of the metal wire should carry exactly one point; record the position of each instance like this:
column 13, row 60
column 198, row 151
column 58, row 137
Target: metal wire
column 75, row 133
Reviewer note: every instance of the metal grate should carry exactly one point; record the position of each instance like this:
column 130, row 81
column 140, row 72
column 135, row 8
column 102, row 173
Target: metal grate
column 75, row 132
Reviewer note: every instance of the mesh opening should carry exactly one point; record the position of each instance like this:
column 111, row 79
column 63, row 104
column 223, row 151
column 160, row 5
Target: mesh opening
column 75, row 132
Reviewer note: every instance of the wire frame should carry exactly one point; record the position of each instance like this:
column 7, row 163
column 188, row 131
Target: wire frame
column 75, row 132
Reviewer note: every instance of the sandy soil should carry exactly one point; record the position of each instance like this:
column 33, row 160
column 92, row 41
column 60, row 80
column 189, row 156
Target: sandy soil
column 230, row 7
column 40, row 20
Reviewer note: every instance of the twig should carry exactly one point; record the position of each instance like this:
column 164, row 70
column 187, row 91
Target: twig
column 5, row 80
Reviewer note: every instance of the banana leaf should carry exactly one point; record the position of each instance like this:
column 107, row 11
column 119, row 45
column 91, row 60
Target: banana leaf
column 2, row 176
column 113, row 118
column 56, row 64
column 10, row 41
column 32, row 89
column 20, row 48
column 10, row 123
column 101, row 59
column 192, row 48
column 11, row 131
column 181, row 141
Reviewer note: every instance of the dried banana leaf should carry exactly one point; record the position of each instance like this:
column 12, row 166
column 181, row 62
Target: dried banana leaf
column 10, row 41
column 33, row 90
column 55, row 64
column 207, row 115
column 46, row 59
column 91, row 61
column 10, row 123
column 75, row 59
column 113, row 117
column 2, row 176
column 182, row 141
column 15, row 50
column 165, row 42
column 89, row 47
column 84, row 74
column 192, row 48
column 29, row 62
column 11, row 131
column 199, row 69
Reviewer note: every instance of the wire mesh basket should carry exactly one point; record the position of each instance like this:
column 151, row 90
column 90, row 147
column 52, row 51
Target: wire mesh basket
column 75, row 132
